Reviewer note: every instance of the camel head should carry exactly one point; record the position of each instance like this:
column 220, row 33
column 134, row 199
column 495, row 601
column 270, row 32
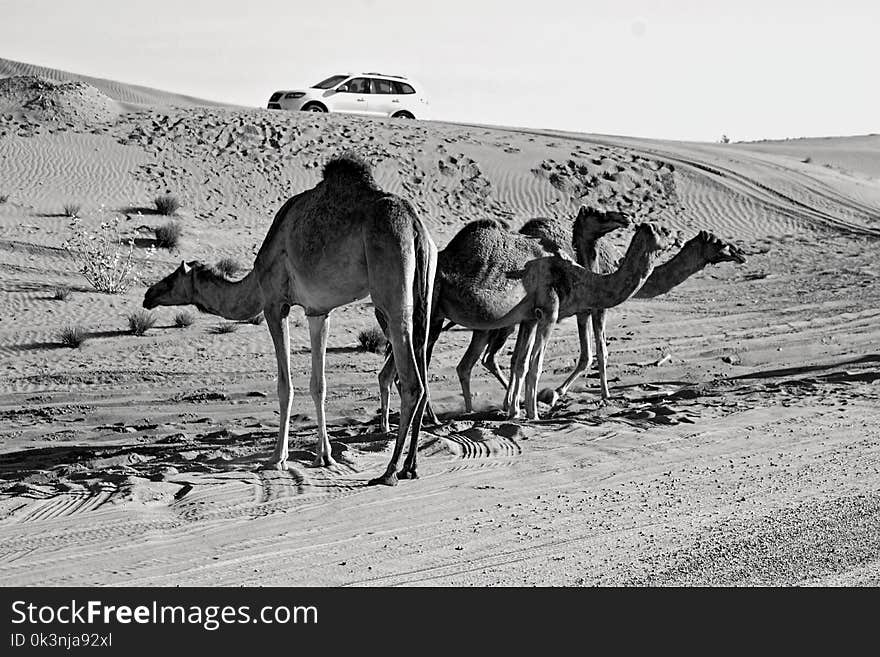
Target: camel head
column 652, row 238
column 715, row 250
column 176, row 289
column 593, row 224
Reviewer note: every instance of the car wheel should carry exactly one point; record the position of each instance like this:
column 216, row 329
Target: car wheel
column 402, row 115
column 314, row 107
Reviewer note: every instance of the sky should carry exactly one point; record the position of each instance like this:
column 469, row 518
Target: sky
column 670, row 69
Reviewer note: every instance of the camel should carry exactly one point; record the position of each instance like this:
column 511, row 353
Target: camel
column 336, row 243
column 476, row 286
column 556, row 288
column 588, row 228
column 601, row 257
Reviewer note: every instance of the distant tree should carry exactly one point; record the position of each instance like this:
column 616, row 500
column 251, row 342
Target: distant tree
column 725, row 139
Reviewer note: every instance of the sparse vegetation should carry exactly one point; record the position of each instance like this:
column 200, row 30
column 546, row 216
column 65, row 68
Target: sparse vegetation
column 183, row 319
column 3, row 198
column 72, row 210
column 141, row 321
column 724, row 139
column 807, row 160
column 166, row 204
column 227, row 267
column 61, row 293
column 103, row 257
column 168, row 235
column 224, row 328
column 372, row 339
column 72, row 336
column 256, row 320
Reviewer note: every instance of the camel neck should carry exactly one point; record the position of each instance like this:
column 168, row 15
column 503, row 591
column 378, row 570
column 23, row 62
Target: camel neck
column 240, row 300
column 674, row 272
column 590, row 290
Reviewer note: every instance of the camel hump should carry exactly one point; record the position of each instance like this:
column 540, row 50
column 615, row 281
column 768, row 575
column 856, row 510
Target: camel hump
column 478, row 226
column 349, row 169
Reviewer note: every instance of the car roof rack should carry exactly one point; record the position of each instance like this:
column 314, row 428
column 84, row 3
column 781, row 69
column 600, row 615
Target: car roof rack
column 387, row 75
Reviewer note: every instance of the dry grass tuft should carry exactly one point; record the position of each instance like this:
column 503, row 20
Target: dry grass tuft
column 372, row 339
column 61, row 293
column 168, row 235
column 167, row 204
column 141, row 321
column 183, row 319
column 227, row 267
column 72, row 210
column 72, row 336
column 224, row 328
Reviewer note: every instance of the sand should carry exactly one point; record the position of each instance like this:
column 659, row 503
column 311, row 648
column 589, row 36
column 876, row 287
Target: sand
column 749, row 456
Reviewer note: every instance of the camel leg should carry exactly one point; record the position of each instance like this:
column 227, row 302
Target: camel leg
column 409, row 470
column 524, row 342
column 276, row 320
column 536, row 362
column 387, row 375
column 601, row 349
column 318, row 325
column 585, row 359
column 496, row 342
column 433, row 333
column 479, row 339
column 412, row 394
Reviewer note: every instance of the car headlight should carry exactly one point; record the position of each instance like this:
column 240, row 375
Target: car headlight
column 295, row 94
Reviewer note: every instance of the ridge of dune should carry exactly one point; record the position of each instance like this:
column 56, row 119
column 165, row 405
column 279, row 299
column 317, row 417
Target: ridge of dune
column 122, row 92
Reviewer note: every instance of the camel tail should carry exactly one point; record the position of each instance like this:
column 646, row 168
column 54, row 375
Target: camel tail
column 423, row 290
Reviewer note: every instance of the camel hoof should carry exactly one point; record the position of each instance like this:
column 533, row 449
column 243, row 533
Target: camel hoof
column 548, row 396
column 387, row 479
column 514, row 415
column 278, row 464
column 408, row 474
column 323, row 462
column 385, row 428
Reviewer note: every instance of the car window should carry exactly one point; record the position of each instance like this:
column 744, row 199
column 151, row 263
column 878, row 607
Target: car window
column 330, row 82
column 383, row 86
column 359, row 86
column 403, row 88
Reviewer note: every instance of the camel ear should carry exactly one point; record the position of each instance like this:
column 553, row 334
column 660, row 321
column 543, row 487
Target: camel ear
column 185, row 268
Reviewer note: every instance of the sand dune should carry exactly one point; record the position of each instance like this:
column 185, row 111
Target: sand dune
column 124, row 93
column 758, row 436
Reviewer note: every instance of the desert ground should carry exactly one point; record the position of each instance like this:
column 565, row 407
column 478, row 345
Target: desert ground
column 741, row 445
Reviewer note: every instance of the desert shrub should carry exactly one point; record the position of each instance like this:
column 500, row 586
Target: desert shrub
column 61, row 293
column 166, row 204
column 141, row 321
column 256, row 320
column 227, row 267
column 168, row 235
column 72, row 336
column 3, row 198
column 72, row 210
column 103, row 257
column 372, row 339
column 224, row 328
column 724, row 139
column 183, row 319
column 807, row 160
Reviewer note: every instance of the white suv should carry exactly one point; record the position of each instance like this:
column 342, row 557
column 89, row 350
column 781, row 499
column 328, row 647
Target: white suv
column 374, row 94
